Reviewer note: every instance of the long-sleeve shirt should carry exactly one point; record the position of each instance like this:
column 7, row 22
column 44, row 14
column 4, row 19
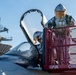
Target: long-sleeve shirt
column 56, row 22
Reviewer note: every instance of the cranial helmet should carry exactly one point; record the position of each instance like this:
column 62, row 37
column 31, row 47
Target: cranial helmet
column 60, row 7
column 60, row 11
column 37, row 35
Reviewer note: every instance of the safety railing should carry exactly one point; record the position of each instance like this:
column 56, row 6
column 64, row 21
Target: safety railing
column 59, row 50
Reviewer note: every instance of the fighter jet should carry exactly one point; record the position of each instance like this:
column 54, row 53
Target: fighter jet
column 22, row 54
column 4, row 47
column 26, row 54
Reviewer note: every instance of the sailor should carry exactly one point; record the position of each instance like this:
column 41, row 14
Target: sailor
column 61, row 19
column 36, row 56
column 37, row 36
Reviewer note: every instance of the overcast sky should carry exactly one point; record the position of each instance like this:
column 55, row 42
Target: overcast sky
column 11, row 11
